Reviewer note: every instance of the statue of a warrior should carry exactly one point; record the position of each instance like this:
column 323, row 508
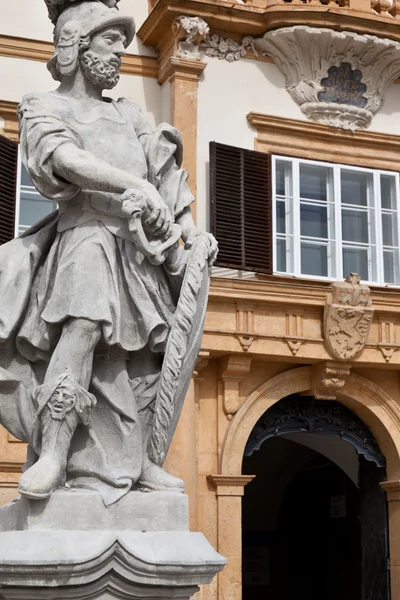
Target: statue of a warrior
column 100, row 304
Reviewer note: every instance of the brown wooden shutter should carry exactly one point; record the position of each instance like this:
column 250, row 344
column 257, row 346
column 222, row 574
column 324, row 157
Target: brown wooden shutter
column 8, row 188
column 241, row 207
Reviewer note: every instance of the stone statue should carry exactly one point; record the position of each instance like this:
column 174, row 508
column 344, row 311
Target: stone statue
column 101, row 307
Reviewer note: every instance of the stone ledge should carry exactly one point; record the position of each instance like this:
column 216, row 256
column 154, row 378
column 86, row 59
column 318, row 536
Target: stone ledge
column 84, row 510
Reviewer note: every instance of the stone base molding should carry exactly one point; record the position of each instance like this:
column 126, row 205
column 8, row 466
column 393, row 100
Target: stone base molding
column 72, row 546
column 338, row 78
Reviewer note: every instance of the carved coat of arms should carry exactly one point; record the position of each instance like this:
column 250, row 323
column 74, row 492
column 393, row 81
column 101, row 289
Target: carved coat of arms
column 347, row 318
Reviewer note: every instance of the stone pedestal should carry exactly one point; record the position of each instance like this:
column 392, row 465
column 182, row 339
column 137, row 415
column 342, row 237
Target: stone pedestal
column 72, row 546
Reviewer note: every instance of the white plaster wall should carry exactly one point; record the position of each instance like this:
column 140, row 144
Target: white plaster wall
column 227, row 93
column 166, row 102
column 388, row 118
column 28, row 19
column 20, row 76
column 25, row 18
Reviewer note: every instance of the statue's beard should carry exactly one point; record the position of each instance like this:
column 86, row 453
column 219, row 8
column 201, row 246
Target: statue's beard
column 103, row 72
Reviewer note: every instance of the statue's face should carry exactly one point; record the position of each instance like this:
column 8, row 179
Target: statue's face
column 101, row 63
column 62, row 400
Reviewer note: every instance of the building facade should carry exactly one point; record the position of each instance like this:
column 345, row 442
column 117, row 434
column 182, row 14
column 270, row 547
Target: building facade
column 289, row 442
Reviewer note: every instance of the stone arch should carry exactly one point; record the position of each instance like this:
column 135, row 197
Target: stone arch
column 367, row 400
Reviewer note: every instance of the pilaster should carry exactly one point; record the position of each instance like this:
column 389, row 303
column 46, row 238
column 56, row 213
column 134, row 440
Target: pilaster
column 392, row 489
column 229, row 490
column 180, row 65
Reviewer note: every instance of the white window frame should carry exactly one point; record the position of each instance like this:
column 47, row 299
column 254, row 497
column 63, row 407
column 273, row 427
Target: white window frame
column 295, row 234
column 18, row 194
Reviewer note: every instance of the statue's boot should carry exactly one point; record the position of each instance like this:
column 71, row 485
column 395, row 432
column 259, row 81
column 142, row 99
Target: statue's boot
column 156, row 479
column 63, row 404
column 49, row 472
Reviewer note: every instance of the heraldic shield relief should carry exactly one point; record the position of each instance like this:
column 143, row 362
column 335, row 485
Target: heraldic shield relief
column 348, row 317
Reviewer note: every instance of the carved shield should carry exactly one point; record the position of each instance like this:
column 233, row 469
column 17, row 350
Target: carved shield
column 182, row 350
column 348, row 317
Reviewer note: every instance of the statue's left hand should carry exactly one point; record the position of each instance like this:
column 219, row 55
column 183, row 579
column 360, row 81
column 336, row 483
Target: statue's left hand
column 191, row 236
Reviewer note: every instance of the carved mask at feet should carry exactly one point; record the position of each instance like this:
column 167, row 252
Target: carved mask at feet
column 63, row 400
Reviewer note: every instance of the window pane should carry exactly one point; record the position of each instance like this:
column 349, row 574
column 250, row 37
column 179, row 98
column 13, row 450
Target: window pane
column 280, row 216
column 388, row 191
column 314, row 182
column 354, row 187
column 389, row 229
column 314, row 260
column 355, row 260
column 283, row 176
column 25, row 179
column 32, row 210
column 389, row 267
column 355, row 226
column 281, row 255
column 33, row 207
column 313, row 221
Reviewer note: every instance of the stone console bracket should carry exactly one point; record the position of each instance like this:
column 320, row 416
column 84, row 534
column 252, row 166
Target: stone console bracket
column 338, row 78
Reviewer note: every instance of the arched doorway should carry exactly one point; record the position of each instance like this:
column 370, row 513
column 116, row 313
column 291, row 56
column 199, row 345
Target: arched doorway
column 314, row 519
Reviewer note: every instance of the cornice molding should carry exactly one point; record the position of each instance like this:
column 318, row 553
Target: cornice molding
column 10, row 467
column 8, row 110
column 303, row 139
column 13, row 47
column 277, row 290
column 254, row 18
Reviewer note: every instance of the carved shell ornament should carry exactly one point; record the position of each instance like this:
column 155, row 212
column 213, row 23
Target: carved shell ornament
column 56, row 7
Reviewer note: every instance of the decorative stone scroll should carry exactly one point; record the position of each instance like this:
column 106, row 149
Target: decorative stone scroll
column 338, row 78
column 347, row 318
column 189, row 33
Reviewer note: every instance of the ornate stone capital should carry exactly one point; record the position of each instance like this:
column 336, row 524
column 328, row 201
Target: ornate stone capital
column 338, row 78
column 234, row 369
column 328, row 379
column 348, row 317
column 230, row 485
column 392, row 489
column 189, row 32
column 189, row 70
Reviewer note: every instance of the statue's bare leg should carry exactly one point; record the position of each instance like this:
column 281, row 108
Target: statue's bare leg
column 63, row 403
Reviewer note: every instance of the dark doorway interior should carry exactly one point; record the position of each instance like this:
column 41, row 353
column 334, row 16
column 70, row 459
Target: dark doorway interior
column 314, row 522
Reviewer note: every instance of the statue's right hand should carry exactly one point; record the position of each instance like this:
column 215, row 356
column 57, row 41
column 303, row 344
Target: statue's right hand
column 157, row 218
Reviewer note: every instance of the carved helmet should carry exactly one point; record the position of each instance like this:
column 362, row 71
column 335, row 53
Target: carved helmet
column 74, row 27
